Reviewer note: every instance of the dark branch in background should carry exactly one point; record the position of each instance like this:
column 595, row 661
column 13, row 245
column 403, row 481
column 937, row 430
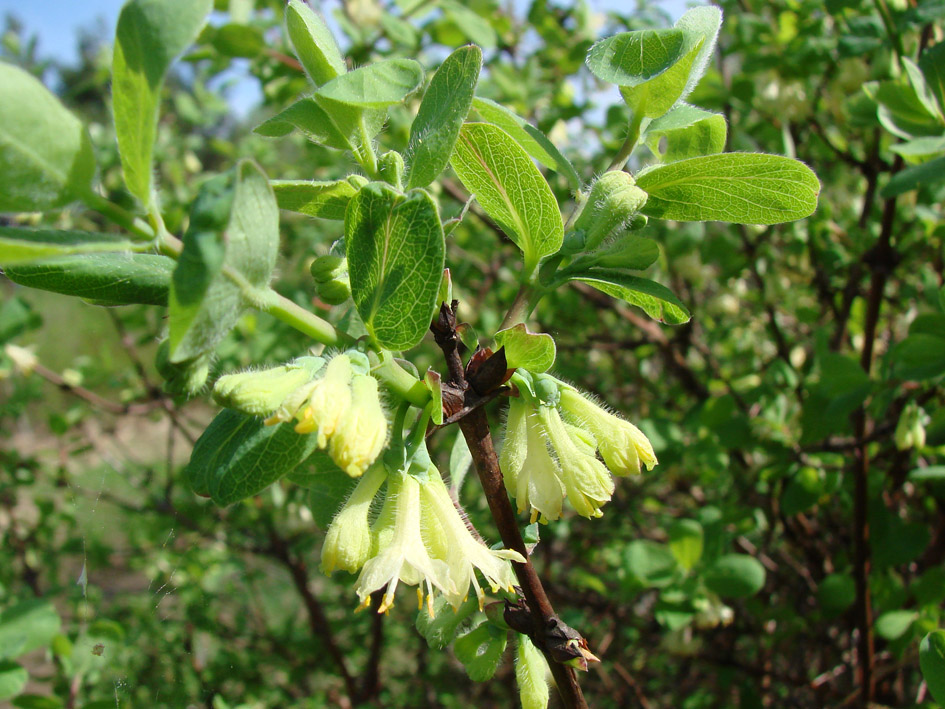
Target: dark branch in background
column 475, row 429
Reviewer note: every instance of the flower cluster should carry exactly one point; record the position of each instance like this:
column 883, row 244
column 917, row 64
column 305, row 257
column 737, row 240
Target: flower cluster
column 339, row 403
column 552, row 438
column 419, row 538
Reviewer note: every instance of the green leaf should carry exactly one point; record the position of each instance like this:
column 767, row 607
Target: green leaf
column 920, row 148
column 440, row 116
column 434, row 383
column 375, row 85
column 324, row 122
column 313, row 43
column 511, row 190
column 238, row 456
column 919, row 356
column 19, row 246
column 735, row 576
column 480, row 650
column 523, row 348
column 46, row 157
column 932, row 64
column 13, row 679
column 922, row 90
column 689, row 132
column 912, row 178
column 460, row 461
column 395, row 249
column 26, row 626
column 651, row 563
column 236, row 40
column 106, row 279
column 933, row 473
column 901, row 112
column 743, row 188
column 525, row 134
column 836, row 593
column 634, row 253
column 686, row 542
column 150, row 34
column 37, row 701
column 655, row 299
column 328, row 485
column 530, row 670
column 894, row 624
column 633, row 58
column 932, row 663
column 474, row 26
column 327, row 200
column 234, row 225
column 441, row 627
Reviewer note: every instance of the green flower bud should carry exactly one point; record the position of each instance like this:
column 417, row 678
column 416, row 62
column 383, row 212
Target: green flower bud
column 334, row 292
column 390, row 167
column 614, row 201
column 531, row 668
column 182, row 378
column 574, row 242
column 910, row 431
column 259, row 393
column 329, row 267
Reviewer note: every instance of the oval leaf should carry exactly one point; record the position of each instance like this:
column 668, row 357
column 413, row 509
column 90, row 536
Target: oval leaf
column 532, row 351
column 150, row 34
column 686, row 542
column 395, row 249
column 742, row 188
column 26, row 626
column 894, row 624
column 46, row 158
column 238, row 456
column 440, row 116
column 735, row 576
column 106, row 279
column 375, row 85
column 25, row 245
column 655, row 299
column 313, row 43
column 632, row 58
column 13, row 678
column 327, row 200
column 932, row 662
column 511, row 190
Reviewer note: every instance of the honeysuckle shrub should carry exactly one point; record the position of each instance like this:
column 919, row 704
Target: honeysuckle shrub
column 341, row 403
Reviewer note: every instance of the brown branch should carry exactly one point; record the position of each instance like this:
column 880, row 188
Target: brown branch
column 475, row 429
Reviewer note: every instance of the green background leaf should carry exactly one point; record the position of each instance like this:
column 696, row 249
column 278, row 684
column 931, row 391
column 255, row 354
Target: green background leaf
column 735, row 576
column 46, row 158
column 26, row 626
column 25, row 245
column 150, row 34
column 932, row 662
column 743, row 188
column 655, row 299
column 395, row 249
column 13, row 678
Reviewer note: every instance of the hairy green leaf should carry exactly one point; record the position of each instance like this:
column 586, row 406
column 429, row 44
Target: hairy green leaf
column 689, row 132
column 525, row 134
column 480, row 650
column 656, row 300
column 532, row 351
column 234, row 225
column 442, row 111
column 325, row 122
column 150, row 34
column 327, row 200
column 743, row 188
column 46, row 158
column 375, row 85
column 313, row 43
column 511, row 190
column 25, row 245
column 106, row 278
column 395, row 249
column 238, row 456
column 632, row 58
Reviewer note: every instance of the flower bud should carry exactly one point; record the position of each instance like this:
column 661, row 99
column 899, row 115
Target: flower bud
column 910, row 431
column 361, row 434
column 328, row 267
column 259, row 393
column 24, row 359
column 390, row 167
column 334, row 292
column 614, row 200
column 348, row 540
column 182, row 378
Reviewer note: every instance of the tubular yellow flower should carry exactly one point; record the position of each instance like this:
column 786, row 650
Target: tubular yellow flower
column 400, row 554
column 587, row 482
column 330, row 401
column 514, row 444
column 622, row 445
column 454, row 543
column 348, row 541
column 538, row 481
column 360, row 436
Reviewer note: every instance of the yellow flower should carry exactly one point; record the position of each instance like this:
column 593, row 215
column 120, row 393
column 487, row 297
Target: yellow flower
column 360, row 435
column 329, row 402
column 449, row 538
column 399, row 550
column 348, row 541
